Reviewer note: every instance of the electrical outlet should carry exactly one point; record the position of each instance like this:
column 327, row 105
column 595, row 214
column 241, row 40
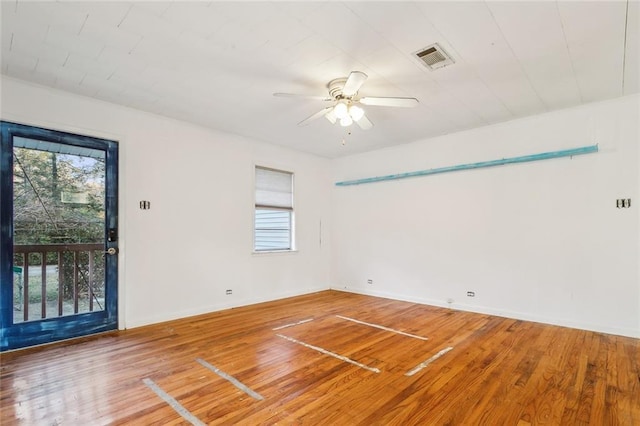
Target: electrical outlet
column 623, row 203
column 229, row 291
column 369, row 281
column 471, row 294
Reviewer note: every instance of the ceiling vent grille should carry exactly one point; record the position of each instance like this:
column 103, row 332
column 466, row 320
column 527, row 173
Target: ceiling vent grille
column 434, row 57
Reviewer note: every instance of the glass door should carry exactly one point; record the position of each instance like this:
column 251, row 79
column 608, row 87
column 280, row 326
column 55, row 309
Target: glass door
column 58, row 220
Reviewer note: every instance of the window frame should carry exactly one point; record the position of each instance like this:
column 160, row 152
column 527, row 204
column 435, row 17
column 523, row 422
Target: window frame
column 292, row 218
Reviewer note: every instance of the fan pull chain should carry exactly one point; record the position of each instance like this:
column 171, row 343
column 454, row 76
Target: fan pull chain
column 344, row 140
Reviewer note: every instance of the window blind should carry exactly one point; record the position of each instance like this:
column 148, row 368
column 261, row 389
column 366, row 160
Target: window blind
column 274, row 188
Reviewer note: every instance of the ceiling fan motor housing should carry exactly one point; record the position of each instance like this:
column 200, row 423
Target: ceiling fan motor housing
column 335, row 87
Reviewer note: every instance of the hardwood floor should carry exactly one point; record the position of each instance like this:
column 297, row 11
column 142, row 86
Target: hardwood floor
column 498, row 372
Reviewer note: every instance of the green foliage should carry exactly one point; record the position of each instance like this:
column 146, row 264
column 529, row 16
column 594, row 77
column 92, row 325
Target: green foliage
column 41, row 179
column 59, row 198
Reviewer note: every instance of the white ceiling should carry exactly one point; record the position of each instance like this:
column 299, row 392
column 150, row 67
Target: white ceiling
column 217, row 63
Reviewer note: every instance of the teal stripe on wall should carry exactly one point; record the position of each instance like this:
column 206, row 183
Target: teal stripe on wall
column 523, row 159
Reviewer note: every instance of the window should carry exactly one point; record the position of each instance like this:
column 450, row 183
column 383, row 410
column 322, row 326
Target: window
column 274, row 210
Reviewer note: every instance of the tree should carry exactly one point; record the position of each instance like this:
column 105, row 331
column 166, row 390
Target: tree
column 59, row 198
column 46, row 185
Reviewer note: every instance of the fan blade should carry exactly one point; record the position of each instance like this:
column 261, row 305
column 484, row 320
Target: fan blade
column 364, row 123
column 295, row 95
column 315, row 116
column 391, row 102
column 331, row 116
column 353, row 84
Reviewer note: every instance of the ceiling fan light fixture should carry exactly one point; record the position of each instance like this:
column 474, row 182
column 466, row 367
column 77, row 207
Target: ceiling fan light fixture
column 340, row 110
column 346, row 121
column 356, row 112
column 346, row 103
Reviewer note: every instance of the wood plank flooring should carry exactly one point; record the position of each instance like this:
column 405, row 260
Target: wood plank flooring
column 499, row 372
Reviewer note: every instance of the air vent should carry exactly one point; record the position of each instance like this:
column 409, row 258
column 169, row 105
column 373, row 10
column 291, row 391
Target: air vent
column 434, row 57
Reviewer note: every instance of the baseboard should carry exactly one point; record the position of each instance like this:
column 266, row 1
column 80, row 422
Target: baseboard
column 186, row 313
column 619, row 331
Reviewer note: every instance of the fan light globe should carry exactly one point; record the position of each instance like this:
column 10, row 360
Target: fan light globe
column 340, row 110
column 356, row 112
column 346, row 121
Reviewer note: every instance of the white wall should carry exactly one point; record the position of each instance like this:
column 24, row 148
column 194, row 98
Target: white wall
column 178, row 258
column 541, row 241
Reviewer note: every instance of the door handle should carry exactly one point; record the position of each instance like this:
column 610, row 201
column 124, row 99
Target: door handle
column 111, row 251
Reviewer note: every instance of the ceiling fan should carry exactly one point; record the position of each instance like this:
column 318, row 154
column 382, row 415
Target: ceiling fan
column 345, row 108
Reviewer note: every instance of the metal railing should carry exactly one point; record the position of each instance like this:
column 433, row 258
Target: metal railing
column 78, row 270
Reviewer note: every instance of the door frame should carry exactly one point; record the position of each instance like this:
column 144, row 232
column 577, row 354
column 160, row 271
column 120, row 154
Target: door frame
column 30, row 333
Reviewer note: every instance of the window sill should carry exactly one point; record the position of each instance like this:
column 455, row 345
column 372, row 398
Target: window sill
column 273, row 252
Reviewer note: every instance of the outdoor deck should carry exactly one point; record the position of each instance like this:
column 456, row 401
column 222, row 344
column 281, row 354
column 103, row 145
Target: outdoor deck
column 68, row 281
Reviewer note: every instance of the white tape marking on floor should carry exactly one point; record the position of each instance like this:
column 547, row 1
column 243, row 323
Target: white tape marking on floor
column 382, row 327
column 244, row 388
column 326, row 352
column 427, row 362
column 173, row 403
column 292, row 324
